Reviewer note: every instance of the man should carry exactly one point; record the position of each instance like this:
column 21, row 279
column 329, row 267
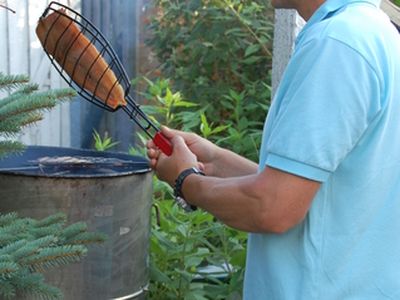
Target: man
column 323, row 204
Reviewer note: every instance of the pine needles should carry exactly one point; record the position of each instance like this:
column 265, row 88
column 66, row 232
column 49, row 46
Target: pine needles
column 23, row 106
column 29, row 247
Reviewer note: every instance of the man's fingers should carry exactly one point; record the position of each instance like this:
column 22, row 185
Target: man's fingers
column 153, row 163
column 153, row 153
column 201, row 167
column 179, row 142
column 150, row 144
column 170, row 133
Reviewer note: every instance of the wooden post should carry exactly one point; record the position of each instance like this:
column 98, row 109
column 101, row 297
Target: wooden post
column 392, row 10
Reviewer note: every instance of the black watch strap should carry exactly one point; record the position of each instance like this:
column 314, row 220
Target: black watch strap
column 178, row 188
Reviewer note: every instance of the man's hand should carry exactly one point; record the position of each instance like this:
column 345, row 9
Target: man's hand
column 212, row 160
column 205, row 151
column 168, row 168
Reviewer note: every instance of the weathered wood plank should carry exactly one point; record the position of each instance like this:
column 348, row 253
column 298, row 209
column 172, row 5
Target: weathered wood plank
column 26, row 56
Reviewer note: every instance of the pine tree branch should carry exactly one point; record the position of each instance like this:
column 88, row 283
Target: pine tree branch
column 7, row 268
column 13, row 124
column 9, row 82
column 28, row 284
column 28, row 246
column 27, row 89
column 7, row 290
column 35, row 102
column 5, row 258
column 7, row 147
column 73, row 230
column 23, row 107
column 8, row 218
column 7, row 238
column 34, row 247
column 86, row 238
column 39, row 232
column 11, row 248
column 54, row 257
column 58, row 218
column 45, row 291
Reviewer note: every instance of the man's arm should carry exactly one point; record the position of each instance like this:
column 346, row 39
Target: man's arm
column 229, row 164
column 272, row 201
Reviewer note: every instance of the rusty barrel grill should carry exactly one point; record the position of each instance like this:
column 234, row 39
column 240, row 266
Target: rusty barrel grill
column 109, row 191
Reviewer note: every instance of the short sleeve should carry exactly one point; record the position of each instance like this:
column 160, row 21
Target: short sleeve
column 330, row 96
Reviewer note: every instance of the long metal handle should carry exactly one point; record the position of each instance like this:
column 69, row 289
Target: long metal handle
column 142, row 120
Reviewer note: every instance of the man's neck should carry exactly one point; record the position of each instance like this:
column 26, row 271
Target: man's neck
column 307, row 8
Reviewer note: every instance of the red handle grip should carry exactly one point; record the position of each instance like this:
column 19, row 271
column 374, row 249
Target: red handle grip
column 163, row 143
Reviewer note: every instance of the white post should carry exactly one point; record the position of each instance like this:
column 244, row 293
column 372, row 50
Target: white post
column 392, row 10
column 287, row 25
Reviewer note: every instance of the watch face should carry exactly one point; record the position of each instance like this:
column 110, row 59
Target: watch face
column 183, row 204
column 197, row 171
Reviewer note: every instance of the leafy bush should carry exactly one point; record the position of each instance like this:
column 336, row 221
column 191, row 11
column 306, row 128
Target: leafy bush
column 184, row 246
column 216, row 53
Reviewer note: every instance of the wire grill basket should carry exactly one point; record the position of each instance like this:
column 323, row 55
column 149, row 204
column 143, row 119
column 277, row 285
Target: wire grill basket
column 78, row 67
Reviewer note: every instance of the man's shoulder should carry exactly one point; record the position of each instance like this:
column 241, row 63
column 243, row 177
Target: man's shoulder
column 353, row 25
column 363, row 29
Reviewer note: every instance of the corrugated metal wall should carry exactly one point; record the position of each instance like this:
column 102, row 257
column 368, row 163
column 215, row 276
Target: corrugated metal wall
column 117, row 20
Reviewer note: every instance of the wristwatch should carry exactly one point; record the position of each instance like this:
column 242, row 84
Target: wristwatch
column 178, row 188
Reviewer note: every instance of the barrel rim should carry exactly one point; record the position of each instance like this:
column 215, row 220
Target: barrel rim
column 18, row 171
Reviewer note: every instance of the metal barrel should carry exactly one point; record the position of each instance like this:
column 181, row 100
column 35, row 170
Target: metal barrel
column 112, row 195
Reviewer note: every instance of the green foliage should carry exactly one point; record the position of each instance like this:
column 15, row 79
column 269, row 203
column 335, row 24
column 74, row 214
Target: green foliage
column 217, row 54
column 166, row 107
column 397, row 2
column 23, row 106
column 29, row 247
column 12, row 81
column 103, row 143
column 183, row 246
column 215, row 60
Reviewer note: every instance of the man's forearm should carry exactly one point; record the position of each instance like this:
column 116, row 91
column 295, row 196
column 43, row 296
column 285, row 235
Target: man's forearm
column 271, row 201
column 230, row 164
column 229, row 199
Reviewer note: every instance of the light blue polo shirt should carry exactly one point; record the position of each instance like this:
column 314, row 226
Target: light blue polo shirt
column 336, row 119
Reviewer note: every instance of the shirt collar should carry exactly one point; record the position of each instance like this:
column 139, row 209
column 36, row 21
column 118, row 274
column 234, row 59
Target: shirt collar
column 330, row 6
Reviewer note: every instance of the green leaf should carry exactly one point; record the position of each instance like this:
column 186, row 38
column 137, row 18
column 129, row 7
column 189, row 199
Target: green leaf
column 252, row 59
column 252, row 49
